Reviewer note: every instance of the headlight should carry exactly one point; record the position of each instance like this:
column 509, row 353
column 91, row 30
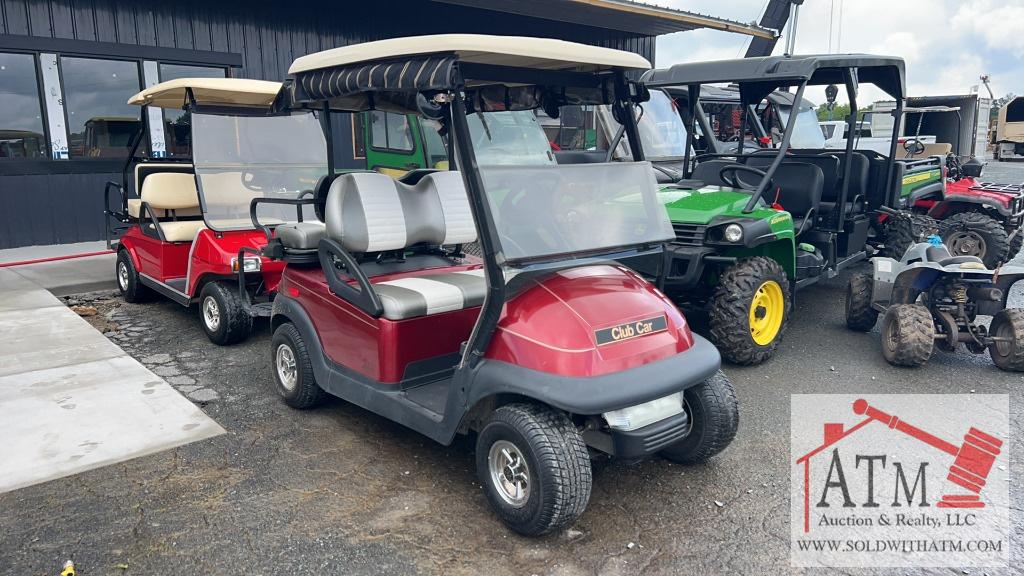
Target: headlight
column 253, row 264
column 733, row 233
column 641, row 415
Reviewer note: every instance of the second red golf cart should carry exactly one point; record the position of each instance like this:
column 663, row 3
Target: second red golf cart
column 187, row 234
column 547, row 348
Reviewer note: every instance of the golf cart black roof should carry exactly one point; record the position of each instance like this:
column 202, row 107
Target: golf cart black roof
column 731, row 94
column 758, row 77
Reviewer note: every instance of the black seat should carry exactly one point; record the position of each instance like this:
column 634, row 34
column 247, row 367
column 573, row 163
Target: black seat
column 412, row 177
column 941, row 256
column 799, row 192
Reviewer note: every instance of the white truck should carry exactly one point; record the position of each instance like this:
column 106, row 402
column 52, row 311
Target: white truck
column 836, row 133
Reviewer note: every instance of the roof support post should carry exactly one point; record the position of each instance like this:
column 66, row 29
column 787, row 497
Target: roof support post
column 693, row 94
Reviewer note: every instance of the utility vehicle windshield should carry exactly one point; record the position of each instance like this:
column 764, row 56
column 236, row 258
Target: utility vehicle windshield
column 662, row 132
column 238, row 158
column 806, row 133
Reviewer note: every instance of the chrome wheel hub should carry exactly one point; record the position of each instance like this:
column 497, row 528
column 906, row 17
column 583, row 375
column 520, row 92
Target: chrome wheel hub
column 510, row 474
column 284, row 359
column 211, row 313
column 967, row 243
column 122, row 276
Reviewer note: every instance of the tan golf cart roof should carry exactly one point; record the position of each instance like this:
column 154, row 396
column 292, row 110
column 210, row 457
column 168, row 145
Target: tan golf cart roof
column 210, row 91
column 515, row 51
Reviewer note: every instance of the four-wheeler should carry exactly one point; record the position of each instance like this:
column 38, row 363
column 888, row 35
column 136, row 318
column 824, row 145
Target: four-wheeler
column 931, row 298
column 752, row 226
column 545, row 347
column 187, row 234
column 975, row 218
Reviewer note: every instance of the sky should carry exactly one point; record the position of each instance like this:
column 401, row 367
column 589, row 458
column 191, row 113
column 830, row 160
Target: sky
column 947, row 44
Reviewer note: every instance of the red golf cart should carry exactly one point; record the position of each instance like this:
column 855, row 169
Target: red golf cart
column 546, row 348
column 187, row 234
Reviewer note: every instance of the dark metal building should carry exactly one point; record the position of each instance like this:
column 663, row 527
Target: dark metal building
column 68, row 66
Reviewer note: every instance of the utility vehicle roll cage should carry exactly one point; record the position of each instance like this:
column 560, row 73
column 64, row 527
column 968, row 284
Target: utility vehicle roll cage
column 454, row 75
column 757, row 78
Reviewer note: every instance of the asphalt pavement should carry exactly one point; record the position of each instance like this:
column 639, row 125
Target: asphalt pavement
column 339, row 490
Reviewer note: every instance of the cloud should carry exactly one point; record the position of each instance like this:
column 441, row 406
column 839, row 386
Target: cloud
column 947, row 44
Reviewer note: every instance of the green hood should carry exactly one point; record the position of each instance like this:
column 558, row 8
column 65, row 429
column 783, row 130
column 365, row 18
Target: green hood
column 702, row 205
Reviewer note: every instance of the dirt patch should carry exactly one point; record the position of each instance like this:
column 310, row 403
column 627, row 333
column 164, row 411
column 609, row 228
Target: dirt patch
column 97, row 308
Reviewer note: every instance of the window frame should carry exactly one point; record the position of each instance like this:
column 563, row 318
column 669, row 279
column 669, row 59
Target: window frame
column 387, row 136
column 163, row 111
column 67, row 119
column 40, row 92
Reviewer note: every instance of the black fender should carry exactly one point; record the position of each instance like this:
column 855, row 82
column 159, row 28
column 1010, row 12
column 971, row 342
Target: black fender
column 933, row 190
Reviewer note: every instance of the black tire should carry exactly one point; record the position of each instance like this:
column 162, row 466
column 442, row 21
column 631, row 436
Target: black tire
column 729, row 317
column 899, row 234
column 860, row 316
column 908, row 335
column 1008, row 323
column 222, row 313
column 714, row 419
column 127, row 278
column 557, row 467
column 976, row 234
column 296, row 386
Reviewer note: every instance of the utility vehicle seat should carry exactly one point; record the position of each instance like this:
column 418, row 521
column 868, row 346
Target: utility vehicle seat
column 368, row 212
column 173, row 191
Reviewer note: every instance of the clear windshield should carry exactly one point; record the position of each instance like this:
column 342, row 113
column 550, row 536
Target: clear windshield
column 238, row 158
column 662, row 132
column 807, row 132
column 509, row 138
column 574, row 208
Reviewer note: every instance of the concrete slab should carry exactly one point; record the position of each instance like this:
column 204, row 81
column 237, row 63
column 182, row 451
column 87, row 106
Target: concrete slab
column 66, row 420
column 41, row 338
column 74, row 276
column 21, row 293
column 50, row 251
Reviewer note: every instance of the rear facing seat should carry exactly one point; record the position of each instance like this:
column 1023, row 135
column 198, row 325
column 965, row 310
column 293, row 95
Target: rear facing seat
column 172, row 192
column 371, row 213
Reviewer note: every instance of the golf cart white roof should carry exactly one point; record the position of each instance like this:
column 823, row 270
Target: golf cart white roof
column 209, row 91
column 514, row 51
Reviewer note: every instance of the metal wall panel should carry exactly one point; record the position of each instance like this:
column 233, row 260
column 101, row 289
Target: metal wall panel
column 43, row 204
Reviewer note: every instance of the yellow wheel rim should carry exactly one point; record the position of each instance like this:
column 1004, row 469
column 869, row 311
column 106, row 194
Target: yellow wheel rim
column 766, row 312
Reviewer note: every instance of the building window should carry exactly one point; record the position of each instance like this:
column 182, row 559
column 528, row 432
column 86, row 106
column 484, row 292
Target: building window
column 390, row 131
column 177, row 123
column 101, row 123
column 21, row 117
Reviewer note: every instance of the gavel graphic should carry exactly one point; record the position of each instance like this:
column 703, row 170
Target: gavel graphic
column 972, row 460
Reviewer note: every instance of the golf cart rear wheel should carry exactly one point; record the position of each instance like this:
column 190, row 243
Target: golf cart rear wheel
column 976, row 234
column 293, row 371
column 534, row 467
column 1007, row 351
column 860, row 316
column 128, row 282
column 750, row 310
column 908, row 335
column 714, row 419
column 899, row 234
column 222, row 313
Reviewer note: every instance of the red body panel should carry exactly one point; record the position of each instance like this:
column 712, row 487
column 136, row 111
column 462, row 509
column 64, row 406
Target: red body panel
column 966, row 190
column 548, row 327
column 211, row 253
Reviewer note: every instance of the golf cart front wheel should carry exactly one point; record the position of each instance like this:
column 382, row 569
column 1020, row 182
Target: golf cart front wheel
column 293, row 371
column 860, row 316
column 714, row 419
column 224, row 317
column 127, row 276
column 1007, row 348
column 534, row 467
column 908, row 335
column 750, row 310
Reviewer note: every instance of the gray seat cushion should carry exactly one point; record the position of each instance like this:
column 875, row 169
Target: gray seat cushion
column 301, row 235
column 414, row 296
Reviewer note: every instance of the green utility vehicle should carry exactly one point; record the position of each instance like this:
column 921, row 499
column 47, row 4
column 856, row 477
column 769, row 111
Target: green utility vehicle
column 753, row 224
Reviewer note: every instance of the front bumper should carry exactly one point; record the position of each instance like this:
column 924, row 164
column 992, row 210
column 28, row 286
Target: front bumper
column 642, row 442
column 684, row 266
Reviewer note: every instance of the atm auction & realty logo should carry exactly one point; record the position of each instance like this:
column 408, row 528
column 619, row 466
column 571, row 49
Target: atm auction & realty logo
column 899, row 480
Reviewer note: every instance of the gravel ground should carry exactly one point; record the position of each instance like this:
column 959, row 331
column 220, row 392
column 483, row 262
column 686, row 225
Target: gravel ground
column 340, row 490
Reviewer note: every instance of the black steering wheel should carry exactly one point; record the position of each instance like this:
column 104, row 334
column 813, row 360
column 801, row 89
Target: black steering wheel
column 735, row 182
column 913, row 146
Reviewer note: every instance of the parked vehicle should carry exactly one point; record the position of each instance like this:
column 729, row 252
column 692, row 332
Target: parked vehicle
column 545, row 347
column 931, row 299
column 752, row 226
column 1010, row 131
column 836, row 134
column 185, row 230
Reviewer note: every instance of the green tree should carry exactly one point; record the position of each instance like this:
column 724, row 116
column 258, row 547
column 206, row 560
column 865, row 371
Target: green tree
column 840, row 112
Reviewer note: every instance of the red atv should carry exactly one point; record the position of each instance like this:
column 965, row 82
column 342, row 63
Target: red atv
column 977, row 218
column 546, row 348
column 187, row 233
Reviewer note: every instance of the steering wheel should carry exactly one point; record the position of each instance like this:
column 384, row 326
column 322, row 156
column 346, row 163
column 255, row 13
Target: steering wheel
column 555, row 219
column 735, row 182
column 913, row 146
